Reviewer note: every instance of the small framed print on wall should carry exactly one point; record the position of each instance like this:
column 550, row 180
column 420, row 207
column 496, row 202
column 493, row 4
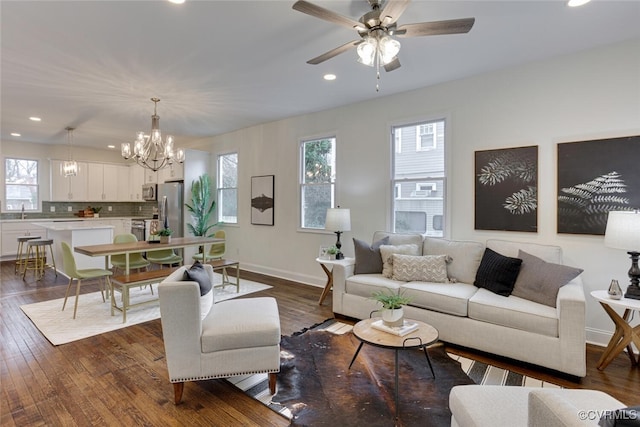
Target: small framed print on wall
column 262, row 202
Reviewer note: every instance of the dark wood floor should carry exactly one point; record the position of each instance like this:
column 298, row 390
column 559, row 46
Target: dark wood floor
column 120, row 377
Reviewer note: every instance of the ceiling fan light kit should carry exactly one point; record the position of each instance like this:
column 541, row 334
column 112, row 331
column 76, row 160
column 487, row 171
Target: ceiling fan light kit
column 151, row 151
column 375, row 29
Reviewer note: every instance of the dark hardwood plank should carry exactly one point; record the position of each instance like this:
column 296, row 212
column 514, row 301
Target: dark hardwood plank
column 120, row 377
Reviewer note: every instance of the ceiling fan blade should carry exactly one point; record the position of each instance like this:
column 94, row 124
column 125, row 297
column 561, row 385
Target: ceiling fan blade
column 322, row 13
column 393, row 65
column 392, row 11
column 452, row 26
column 334, row 52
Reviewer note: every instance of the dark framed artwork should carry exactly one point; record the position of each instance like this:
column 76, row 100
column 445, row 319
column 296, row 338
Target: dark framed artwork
column 262, row 199
column 595, row 177
column 506, row 189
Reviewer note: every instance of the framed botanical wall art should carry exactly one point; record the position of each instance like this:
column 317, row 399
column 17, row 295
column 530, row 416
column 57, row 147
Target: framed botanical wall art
column 595, row 177
column 506, row 189
column 262, row 201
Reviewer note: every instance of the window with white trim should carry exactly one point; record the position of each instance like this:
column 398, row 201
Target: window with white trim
column 21, row 188
column 419, row 178
column 398, row 141
column 317, row 181
column 228, row 188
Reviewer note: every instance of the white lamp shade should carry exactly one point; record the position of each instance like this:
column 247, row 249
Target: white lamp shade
column 623, row 230
column 338, row 219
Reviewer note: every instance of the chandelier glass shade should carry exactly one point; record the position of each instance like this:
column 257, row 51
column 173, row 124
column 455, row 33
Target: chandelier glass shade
column 70, row 166
column 378, row 48
column 150, row 151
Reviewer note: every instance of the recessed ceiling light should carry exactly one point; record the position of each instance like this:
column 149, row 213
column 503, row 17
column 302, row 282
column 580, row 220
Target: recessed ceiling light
column 15, row 134
column 177, row 1
column 35, row 119
column 329, row 77
column 576, row 3
column 111, row 146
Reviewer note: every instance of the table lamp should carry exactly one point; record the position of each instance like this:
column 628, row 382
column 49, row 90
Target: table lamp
column 623, row 232
column 338, row 220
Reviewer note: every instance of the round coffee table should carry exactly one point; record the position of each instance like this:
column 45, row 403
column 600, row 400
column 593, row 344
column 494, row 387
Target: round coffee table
column 422, row 337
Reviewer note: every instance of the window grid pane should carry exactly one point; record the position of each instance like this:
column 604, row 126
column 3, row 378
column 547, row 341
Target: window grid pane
column 21, row 184
column 317, row 181
column 227, row 188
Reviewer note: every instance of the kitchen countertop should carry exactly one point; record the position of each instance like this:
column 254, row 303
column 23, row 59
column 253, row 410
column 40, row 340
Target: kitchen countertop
column 70, row 219
column 70, row 226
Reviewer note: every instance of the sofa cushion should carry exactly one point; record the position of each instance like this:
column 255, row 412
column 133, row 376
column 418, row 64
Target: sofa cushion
column 364, row 285
column 484, row 406
column 400, row 238
column 539, row 280
column 513, row 312
column 368, row 259
column 449, row 298
column 386, row 251
column 497, row 272
column 426, row 268
column 465, row 257
column 548, row 253
column 564, row 407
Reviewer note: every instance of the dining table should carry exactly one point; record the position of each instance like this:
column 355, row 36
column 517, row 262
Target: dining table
column 108, row 249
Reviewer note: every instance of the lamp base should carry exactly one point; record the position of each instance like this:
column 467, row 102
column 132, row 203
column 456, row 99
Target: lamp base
column 339, row 255
column 633, row 292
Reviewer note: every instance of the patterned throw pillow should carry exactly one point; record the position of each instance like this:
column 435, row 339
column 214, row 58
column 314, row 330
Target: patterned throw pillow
column 386, row 252
column 429, row 268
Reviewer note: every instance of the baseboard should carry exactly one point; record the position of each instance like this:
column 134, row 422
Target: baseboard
column 283, row 274
column 601, row 338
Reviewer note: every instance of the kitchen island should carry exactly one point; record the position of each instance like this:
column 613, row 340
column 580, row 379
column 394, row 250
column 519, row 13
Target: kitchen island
column 77, row 233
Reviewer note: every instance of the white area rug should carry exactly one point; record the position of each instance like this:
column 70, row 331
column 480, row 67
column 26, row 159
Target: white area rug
column 94, row 316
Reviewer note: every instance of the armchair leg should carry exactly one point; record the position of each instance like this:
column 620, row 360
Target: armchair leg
column 272, row 382
column 177, row 391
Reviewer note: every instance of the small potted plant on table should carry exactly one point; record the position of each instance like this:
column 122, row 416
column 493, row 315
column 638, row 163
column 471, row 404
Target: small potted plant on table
column 392, row 303
column 332, row 251
column 165, row 235
column 96, row 211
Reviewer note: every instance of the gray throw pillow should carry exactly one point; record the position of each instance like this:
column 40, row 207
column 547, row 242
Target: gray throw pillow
column 197, row 273
column 539, row 281
column 368, row 259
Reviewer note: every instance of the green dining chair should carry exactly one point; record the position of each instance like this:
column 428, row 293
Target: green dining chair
column 164, row 257
column 73, row 272
column 136, row 260
column 216, row 251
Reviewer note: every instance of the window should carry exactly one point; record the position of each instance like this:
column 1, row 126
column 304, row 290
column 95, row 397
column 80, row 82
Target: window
column 21, row 185
column 419, row 179
column 398, row 140
column 425, row 137
column 228, row 188
column 317, row 181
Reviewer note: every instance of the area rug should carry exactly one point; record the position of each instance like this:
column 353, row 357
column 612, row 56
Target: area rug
column 316, row 388
column 94, row 316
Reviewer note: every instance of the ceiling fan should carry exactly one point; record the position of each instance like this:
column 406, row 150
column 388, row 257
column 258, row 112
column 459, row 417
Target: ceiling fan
column 377, row 28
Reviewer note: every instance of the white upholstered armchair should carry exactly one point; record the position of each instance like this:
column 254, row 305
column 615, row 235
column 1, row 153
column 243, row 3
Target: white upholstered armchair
column 235, row 337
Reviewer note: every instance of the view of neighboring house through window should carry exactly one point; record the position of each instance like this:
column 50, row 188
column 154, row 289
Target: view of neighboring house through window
column 419, row 178
column 317, row 181
column 228, row 188
column 21, row 184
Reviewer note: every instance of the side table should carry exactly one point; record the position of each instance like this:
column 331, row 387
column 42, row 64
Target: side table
column 330, row 262
column 624, row 334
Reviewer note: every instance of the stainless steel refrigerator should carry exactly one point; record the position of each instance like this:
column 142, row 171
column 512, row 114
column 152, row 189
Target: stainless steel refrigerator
column 170, row 207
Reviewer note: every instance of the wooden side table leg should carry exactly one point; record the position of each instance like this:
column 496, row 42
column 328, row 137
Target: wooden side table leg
column 620, row 339
column 329, row 284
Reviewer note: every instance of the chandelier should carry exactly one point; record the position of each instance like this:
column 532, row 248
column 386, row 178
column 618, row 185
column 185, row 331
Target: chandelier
column 151, row 151
column 376, row 49
column 69, row 167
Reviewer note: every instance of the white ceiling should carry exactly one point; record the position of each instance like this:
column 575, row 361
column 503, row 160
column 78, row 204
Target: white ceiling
column 225, row 65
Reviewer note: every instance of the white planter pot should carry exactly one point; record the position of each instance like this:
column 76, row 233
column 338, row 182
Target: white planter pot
column 393, row 317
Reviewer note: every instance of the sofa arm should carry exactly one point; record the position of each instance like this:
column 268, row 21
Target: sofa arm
column 571, row 311
column 342, row 270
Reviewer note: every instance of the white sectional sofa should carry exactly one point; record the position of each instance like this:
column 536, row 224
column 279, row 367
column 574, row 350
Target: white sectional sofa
column 514, row 327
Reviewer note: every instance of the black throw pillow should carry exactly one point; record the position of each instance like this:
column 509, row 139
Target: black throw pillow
column 368, row 259
column 197, row 273
column 497, row 273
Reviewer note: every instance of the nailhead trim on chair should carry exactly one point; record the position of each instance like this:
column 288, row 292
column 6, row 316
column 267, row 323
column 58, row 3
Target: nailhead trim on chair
column 212, row 377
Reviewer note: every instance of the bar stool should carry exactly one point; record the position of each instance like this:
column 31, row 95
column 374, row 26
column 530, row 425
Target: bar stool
column 37, row 257
column 22, row 253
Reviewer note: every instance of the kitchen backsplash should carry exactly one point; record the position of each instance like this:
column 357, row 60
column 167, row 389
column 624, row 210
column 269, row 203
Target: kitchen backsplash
column 118, row 209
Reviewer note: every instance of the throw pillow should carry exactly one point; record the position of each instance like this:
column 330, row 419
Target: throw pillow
column 539, row 281
column 368, row 259
column 387, row 251
column 197, row 273
column 497, row 273
column 429, row 268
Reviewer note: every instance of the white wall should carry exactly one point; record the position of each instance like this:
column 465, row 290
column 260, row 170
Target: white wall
column 584, row 96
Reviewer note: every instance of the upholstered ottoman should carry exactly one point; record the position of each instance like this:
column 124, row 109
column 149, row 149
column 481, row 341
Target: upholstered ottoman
column 498, row 406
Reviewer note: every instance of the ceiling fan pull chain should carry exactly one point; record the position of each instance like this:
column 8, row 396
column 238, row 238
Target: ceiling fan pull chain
column 377, row 74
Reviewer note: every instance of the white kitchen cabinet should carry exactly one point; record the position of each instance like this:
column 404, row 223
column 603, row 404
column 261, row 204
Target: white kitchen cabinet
column 73, row 188
column 123, row 183
column 136, row 180
column 150, row 177
column 12, row 230
column 173, row 172
column 104, row 183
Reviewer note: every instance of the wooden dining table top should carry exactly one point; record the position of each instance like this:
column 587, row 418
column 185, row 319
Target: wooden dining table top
column 143, row 246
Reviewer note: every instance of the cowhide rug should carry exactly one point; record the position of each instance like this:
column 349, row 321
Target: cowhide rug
column 316, row 385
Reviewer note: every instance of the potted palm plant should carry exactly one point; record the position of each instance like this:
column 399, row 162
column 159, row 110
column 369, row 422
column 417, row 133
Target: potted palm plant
column 392, row 306
column 201, row 207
